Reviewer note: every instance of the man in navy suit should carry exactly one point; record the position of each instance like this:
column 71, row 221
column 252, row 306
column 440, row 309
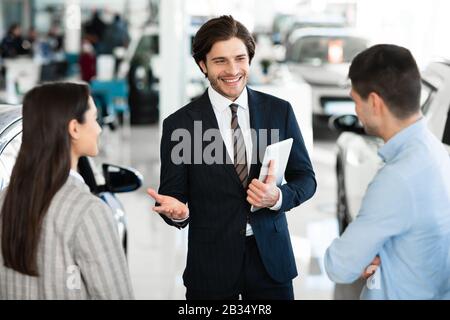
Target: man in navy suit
column 231, row 250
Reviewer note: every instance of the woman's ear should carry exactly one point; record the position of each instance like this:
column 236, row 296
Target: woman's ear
column 73, row 129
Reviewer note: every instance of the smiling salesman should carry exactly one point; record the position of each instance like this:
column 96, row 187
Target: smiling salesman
column 231, row 251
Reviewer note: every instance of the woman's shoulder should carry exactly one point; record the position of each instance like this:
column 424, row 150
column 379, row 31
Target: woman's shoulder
column 75, row 192
column 74, row 201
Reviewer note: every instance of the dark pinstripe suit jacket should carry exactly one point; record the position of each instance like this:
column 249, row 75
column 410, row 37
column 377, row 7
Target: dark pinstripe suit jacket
column 217, row 200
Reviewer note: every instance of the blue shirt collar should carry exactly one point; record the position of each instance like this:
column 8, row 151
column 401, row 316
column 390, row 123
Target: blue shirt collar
column 393, row 146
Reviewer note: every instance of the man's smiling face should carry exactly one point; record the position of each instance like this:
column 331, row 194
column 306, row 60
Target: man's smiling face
column 227, row 67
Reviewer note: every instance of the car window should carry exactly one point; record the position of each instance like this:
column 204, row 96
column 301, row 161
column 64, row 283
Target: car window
column 446, row 135
column 8, row 159
column 318, row 50
column 426, row 96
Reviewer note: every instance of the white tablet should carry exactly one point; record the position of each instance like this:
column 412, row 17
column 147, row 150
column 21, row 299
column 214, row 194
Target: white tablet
column 279, row 152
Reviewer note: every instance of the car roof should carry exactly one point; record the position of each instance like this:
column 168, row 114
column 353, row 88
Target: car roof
column 153, row 30
column 9, row 114
column 437, row 72
column 332, row 32
column 443, row 60
column 330, row 20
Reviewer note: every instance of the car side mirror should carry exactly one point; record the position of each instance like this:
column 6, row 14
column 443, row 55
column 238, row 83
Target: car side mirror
column 348, row 122
column 120, row 179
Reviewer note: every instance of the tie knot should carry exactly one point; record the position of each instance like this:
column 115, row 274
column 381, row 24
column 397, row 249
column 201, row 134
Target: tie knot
column 234, row 107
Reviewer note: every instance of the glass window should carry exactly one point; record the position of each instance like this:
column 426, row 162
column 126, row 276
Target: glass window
column 8, row 159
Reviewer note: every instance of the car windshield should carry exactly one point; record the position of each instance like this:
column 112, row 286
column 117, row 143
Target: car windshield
column 317, row 50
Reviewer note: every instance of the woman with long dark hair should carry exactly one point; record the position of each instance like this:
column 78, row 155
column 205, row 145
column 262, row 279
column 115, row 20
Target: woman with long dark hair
column 58, row 241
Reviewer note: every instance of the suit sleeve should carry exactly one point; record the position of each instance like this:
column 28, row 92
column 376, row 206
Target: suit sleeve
column 99, row 255
column 173, row 176
column 301, row 182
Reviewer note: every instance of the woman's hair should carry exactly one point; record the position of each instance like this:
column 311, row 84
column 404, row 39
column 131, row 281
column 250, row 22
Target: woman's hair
column 41, row 169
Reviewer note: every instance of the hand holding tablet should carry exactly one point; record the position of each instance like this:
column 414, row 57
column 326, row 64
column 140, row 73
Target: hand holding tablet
column 279, row 152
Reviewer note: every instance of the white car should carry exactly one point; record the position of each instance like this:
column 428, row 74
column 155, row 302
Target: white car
column 357, row 158
column 321, row 57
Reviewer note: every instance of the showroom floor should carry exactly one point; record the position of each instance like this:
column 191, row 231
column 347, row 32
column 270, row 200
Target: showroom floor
column 157, row 252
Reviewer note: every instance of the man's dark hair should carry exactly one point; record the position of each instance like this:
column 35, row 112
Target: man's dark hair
column 220, row 29
column 392, row 73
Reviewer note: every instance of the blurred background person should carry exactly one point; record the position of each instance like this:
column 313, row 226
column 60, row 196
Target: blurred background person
column 116, row 35
column 115, row 40
column 55, row 38
column 87, row 61
column 95, row 29
column 12, row 43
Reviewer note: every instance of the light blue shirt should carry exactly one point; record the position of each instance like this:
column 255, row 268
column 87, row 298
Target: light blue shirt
column 405, row 219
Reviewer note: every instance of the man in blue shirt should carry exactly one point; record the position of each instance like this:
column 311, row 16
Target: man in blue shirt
column 404, row 220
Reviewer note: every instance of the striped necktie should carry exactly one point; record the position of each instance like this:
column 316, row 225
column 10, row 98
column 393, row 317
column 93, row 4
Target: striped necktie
column 240, row 154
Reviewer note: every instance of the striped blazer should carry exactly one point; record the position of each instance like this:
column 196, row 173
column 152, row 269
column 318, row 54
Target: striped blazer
column 79, row 253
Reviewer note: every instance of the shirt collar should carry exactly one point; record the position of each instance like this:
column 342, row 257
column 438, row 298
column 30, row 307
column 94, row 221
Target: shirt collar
column 220, row 103
column 76, row 175
column 393, row 146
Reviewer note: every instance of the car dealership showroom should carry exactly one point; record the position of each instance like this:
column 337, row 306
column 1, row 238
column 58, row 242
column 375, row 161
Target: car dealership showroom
column 225, row 150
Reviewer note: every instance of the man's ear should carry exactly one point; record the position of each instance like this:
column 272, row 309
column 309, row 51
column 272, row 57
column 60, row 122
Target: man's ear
column 377, row 103
column 203, row 67
column 73, row 129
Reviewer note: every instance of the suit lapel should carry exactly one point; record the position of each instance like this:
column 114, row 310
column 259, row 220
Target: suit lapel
column 258, row 112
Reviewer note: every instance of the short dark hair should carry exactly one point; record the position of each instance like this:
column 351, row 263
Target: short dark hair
column 392, row 73
column 220, row 29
